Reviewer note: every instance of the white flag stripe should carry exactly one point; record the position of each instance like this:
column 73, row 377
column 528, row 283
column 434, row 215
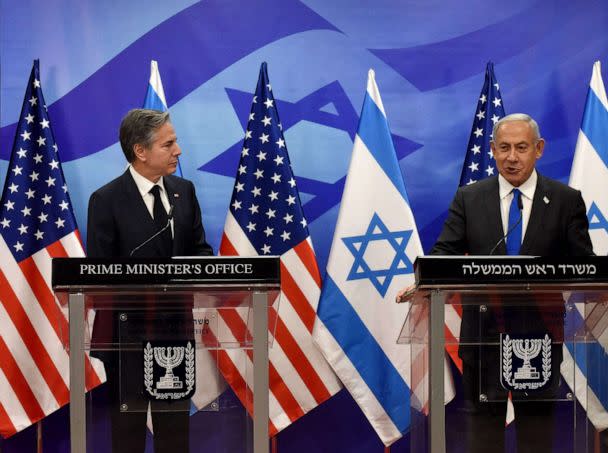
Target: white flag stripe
column 28, row 367
column 36, row 315
column 72, row 245
column 452, row 320
column 237, row 238
column 302, row 277
column 156, row 82
column 8, row 400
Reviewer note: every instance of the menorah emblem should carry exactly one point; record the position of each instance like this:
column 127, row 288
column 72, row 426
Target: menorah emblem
column 169, row 386
column 527, row 349
column 169, row 358
column 526, row 377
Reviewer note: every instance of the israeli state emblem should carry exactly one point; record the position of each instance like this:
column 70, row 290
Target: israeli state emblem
column 525, row 363
column 169, row 370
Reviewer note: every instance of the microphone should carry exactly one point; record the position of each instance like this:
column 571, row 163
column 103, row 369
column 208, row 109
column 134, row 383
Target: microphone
column 158, row 233
column 520, row 206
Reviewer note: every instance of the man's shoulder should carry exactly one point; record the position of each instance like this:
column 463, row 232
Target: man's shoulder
column 555, row 186
column 178, row 181
column 482, row 186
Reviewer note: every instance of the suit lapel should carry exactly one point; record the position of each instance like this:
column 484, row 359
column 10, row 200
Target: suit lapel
column 537, row 214
column 138, row 210
column 494, row 218
column 175, row 201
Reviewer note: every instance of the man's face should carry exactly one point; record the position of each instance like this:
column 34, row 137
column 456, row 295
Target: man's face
column 516, row 150
column 160, row 159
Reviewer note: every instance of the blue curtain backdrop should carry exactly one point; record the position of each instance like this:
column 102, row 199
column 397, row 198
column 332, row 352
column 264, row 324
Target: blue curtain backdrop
column 429, row 59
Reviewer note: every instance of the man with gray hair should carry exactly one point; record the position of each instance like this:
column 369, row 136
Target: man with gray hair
column 518, row 212
column 146, row 212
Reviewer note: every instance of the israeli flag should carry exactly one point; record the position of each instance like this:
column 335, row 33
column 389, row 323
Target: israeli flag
column 374, row 246
column 155, row 99
column 585, row 368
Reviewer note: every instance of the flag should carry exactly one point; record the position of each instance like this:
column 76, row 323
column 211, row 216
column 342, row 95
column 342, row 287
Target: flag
column 585, row 368
column 265, row 217
column 155, row 98
column 374, row 246
column 478, row 164
column 36, row 224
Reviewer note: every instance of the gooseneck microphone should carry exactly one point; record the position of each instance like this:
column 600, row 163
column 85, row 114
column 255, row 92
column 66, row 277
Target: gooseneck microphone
column 158, row 233
column 520, row 206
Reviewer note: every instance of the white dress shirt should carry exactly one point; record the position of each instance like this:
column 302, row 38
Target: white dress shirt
column 144, row 186
column 505, row 190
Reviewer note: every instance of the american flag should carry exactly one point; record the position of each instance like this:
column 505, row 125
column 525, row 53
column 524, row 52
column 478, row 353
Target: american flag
column 36, row 224
column 478, row 164
column 266, row 218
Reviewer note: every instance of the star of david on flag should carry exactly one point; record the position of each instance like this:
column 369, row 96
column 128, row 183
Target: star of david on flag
column 392, row 242
column 375, row 241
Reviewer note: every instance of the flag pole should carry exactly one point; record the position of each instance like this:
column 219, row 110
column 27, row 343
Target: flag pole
column 39, row 436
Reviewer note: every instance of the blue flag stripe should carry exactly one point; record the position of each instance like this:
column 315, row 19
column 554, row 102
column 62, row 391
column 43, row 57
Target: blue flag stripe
column 365, row 354
column 152, row 100
column 374, row 132
column 595, row 121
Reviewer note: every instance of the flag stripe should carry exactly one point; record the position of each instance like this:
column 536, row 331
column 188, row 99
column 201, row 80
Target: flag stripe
column 307, row 256
column 383, row 379
column 44, row 297
column 374, row 132
column 18, row 383
column 594, row 124
column 300, row 362
column 226, row 247
column 32, row 341
column 9, row 406
column 297, row 298
column 281, row 392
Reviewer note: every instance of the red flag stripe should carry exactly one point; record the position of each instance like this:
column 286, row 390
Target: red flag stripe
column 300, row 362
column 297, row 298
column 44, row 297
column 19, row 384
column 307, row 255
column 278, row 387
column 7, row 428
column 226, row 247
column 33, row 343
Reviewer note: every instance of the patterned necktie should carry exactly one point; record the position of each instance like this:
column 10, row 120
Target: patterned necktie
column 160, row 220
column 514, row 237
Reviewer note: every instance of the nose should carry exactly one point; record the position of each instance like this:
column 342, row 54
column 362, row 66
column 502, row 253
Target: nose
column 177, row 151
column 512, row 156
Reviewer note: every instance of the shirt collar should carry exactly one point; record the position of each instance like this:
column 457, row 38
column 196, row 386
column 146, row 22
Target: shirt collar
column 144, row 185
column 527, row 188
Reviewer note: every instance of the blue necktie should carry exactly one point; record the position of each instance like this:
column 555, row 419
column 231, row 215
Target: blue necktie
column 514, row 237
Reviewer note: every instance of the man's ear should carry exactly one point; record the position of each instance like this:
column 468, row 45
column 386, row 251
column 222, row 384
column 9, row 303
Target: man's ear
column 540, row 146
column 140, row 152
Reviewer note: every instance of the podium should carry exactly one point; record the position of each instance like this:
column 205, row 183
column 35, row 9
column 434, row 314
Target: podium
column 144, row 308
column 534, row 328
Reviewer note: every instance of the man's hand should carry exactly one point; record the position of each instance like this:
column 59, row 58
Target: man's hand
column 405, row 294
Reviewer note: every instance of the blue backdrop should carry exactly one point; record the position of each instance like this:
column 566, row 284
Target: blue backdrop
column 429, row 59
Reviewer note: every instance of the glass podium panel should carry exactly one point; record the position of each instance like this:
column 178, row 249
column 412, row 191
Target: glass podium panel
column 527, row 364
column 174, row 355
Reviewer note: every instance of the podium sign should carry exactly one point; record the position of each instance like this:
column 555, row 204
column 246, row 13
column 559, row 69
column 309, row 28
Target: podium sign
column 154, row 317
column 527, row 323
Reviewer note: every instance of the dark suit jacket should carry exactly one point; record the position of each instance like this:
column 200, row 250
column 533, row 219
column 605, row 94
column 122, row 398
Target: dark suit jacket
column 557, row 226
column 118, row 222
